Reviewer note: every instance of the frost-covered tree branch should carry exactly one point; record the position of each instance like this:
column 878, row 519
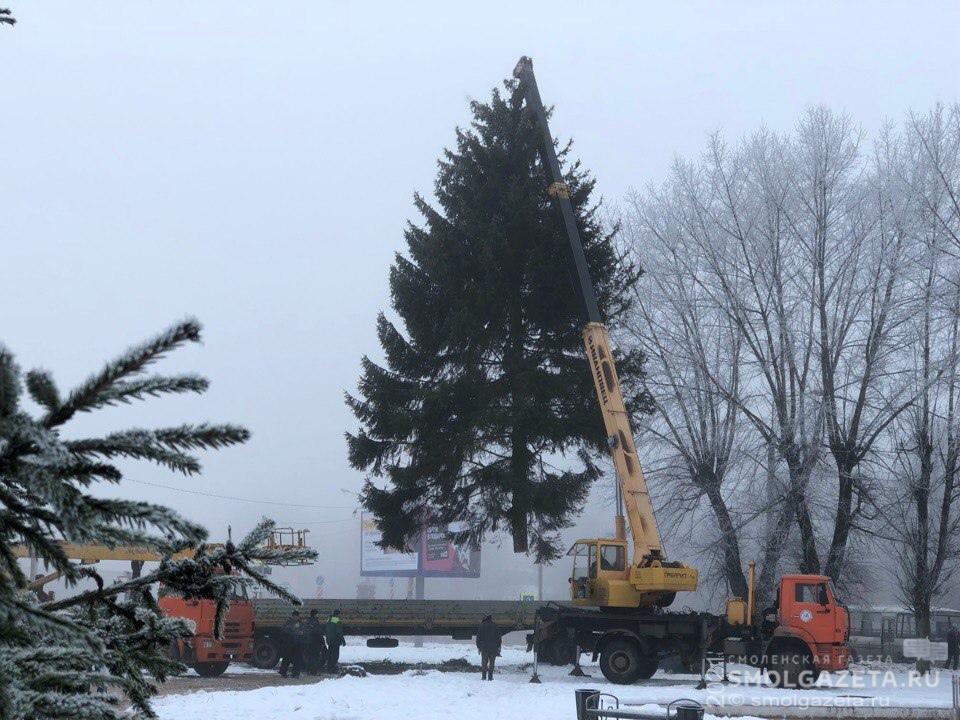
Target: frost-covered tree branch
column 66, row 659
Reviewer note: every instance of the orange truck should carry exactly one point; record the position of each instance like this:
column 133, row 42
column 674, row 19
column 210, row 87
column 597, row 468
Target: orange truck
column 805, row 632
column 207, row 655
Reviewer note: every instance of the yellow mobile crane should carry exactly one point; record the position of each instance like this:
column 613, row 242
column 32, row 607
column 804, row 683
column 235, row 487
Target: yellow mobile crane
column 602, row 577
column 804, row 633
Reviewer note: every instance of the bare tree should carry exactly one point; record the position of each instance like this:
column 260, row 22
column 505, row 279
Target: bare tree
column 726, row 214
column 921, row 510
column 688, row 342
column 922, row 519
column 756, row 277
column 778, row 294
column 847, row 221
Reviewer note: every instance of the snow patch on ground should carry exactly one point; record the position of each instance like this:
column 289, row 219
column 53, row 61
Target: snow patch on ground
column 414, row 695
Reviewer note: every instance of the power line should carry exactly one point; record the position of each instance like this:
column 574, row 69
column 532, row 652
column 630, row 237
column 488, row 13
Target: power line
column 241, row 499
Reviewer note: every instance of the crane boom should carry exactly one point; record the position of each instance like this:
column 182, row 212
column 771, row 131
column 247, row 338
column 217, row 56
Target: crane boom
column 633, row 486
column 647, row 546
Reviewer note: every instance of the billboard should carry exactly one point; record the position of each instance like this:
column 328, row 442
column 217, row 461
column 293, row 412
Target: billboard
column 434, row 554
column 374, row 560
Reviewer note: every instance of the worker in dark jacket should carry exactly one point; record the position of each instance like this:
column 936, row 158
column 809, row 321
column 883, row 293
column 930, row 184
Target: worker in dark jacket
column 489, row 643
column 315, row 652
column 335, row 640
column 290, row 646
column 953, row 647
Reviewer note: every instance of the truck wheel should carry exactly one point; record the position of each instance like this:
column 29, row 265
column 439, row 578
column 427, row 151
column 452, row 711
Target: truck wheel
column 621, row 663
column 211, row 669
column 266, row 654
column 791, row 668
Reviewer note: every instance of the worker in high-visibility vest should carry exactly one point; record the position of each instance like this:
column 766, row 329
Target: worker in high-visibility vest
column 335, row 640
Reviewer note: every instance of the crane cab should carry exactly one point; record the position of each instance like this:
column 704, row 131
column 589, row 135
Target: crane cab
column 602, row 577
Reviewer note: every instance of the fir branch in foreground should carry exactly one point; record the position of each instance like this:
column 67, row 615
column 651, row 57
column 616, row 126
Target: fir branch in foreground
column 89, row 395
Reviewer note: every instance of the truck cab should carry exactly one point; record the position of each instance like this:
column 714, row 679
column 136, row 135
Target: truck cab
column 809, row 610
column 206, row 654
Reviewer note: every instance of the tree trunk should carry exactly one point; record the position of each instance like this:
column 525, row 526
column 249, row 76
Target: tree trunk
column 513, row 365
column 520, row 480
column 842, row 523
column 809, row 558
column 731, row 547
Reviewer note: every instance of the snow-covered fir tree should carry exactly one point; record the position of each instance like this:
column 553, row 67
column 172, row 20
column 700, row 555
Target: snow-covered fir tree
column 82, row 656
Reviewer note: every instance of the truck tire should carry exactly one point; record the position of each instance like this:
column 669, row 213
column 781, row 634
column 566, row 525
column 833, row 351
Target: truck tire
column 790, row 666
column 211, row 669
column 266, row 653
column 621, row 661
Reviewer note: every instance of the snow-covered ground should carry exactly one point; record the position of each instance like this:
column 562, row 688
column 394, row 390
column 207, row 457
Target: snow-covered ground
column 414, row 695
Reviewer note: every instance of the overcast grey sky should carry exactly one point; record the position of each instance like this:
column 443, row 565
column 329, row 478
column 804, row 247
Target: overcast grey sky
column 253, row 164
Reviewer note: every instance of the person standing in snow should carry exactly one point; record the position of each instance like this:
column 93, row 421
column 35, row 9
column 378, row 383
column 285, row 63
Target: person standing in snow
column 290, row 645
column 489, row 643
column 316, row 648
column 335, row 640
column 953, row 647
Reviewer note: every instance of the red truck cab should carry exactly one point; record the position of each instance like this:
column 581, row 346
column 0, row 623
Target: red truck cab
column 809, row 632
column 208, row 656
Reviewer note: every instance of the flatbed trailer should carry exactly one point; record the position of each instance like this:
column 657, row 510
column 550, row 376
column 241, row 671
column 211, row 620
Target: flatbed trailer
column 384, row 620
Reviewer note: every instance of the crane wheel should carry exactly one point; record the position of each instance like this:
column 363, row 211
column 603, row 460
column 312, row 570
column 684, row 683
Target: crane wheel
column 622, row 663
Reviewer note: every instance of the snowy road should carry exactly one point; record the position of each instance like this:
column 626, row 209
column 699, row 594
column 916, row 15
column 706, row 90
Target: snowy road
column 463, row 696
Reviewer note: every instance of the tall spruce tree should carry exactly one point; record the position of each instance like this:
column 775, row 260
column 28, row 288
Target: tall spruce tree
column 485, row 397
column 78, row 657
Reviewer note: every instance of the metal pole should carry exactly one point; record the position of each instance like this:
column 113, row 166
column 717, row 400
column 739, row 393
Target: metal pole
column 418, row 641
column 540, row 582
column 702, row 685
column 535, row 678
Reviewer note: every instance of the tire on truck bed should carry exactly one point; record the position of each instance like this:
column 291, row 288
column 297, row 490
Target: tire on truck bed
column 211, row 669
column 266, row 652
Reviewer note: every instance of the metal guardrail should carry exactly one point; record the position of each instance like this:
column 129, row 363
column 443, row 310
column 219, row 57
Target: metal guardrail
column 597, row 705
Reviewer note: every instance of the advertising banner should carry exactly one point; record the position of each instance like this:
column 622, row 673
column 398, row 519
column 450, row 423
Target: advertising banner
column 374, row 560
column 435, row 554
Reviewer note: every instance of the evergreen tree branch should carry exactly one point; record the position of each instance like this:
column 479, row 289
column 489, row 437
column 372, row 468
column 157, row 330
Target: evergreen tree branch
column 43, row 390
column 89, row 394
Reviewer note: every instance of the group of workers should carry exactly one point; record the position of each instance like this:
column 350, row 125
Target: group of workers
column 314, row 648
column 310, row 646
